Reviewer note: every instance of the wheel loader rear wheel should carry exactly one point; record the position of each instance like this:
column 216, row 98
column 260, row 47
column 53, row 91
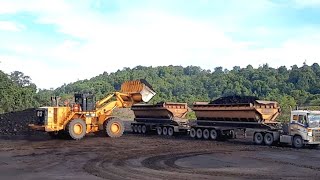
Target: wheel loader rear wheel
column 76, row 129
column 114, row 127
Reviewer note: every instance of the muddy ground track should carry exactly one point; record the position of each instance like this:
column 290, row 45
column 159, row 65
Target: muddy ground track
column 152, row 157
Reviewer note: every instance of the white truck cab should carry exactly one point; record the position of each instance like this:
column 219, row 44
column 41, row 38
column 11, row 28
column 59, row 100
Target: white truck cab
column 304, row 128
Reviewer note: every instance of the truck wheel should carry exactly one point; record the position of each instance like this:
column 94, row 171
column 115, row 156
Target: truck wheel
column 165, row 131
column 268, row 139
column 170, row 131
column 213, row 134
column 193, row 132
column 144, row 129
column 135, row 128
column 199, row 133
column 76, row 129
column 258, row 138
column 297, row 142
column 139, row 129
column 159, row 130
column 206, row 134
column 114, row 127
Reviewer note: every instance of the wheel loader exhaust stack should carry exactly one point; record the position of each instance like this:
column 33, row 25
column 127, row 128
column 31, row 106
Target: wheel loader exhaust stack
column 87, row 116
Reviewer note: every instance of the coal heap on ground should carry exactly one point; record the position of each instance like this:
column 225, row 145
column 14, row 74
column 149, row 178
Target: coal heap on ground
column 16, row 123
column 234, row 100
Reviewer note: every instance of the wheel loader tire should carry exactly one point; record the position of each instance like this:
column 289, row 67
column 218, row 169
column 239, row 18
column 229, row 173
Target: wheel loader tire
column 76, row 129
column 114, row 127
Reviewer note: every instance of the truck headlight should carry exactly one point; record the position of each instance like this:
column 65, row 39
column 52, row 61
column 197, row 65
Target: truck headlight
column 309, row 132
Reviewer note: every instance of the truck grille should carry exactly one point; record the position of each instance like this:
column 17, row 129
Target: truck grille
column 316, row 134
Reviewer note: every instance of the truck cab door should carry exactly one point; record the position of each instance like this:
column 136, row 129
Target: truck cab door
column 298, row 126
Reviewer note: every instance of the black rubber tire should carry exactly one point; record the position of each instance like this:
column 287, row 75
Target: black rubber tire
column 193, row 132
column 214, row 134
column 170, row 131
column 109, row 127
column 71, row 126
column 268, row 139
column 297, row 142
column 135, row 128
column 199, row 133
column 258, row 138
column 144, row 129
column 206, row 134
column 159, row 131
column 165, row 131
column 139, row 129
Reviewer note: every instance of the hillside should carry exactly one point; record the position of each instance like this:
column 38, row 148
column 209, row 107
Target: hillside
column 291, row 87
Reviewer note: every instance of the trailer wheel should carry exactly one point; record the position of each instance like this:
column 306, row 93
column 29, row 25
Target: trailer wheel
column 258, row 138
column 144, row 129
column 170, row 131
column 193, row 132
column 213, row 134
column 159, row 130
column 76, row 129
column 206, row 134
column 165, row 131
column 268, row 139
column 297, row 142
column 139, row 129
column 135, row 128
column 199, row 133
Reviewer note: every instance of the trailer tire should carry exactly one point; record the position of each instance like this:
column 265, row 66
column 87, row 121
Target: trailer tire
column 144, row 129
column 139, row 129
column 297, row 142
column 199, row 133
column 193, row 132
column 159, row 130
column 165, row 131
column 268, row 139
column 213, row 134
column 258, row 138
column 206, row 134
column 170, row 131
column 135, row 128
column 76, row 129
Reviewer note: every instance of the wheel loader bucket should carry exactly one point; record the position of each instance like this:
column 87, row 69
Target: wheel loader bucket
column 140, row 90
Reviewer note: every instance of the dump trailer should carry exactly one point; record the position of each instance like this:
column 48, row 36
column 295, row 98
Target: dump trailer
column 165, row 118
column 86, row 115
column 221, row 118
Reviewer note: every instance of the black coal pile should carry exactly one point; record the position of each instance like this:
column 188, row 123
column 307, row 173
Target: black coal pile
column 16, row 123
column 234, row 100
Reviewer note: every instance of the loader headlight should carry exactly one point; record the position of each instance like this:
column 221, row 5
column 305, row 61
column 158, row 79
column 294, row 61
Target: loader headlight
column 309, row 132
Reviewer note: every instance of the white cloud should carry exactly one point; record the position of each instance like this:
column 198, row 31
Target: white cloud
column 138, row 37
column 10, row 26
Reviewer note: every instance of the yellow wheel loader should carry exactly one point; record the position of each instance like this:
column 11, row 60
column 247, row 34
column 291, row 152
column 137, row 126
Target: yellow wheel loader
column 86, row 115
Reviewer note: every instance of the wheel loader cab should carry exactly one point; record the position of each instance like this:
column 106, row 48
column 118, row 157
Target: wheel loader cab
column 84, row 102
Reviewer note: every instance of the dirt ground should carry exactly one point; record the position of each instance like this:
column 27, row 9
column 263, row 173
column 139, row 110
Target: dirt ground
column 135, row 156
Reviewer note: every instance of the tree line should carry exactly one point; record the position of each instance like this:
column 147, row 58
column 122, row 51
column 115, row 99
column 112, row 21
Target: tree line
column 291, row 87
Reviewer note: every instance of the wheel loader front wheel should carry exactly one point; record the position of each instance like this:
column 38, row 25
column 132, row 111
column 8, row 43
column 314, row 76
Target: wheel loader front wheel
column 76, row 129
column 114, row 127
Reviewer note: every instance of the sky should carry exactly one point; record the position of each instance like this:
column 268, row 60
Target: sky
column 57, row 42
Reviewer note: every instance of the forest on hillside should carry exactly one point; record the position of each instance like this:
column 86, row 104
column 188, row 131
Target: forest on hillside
column 291, row 87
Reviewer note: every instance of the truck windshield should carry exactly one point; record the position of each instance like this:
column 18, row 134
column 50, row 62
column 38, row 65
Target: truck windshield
column 314, row 120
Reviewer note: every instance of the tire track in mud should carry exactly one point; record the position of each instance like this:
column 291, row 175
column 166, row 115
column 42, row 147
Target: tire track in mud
column 163, row 166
